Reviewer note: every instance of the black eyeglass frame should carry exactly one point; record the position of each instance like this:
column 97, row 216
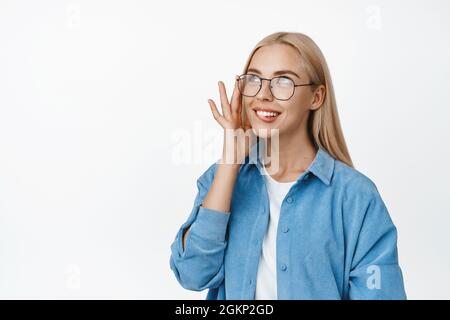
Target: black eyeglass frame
column 270, row 85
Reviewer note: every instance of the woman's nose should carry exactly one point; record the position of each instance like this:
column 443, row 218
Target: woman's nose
column 265, row 93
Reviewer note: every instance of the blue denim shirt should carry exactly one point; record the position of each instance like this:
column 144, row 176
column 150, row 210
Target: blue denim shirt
column 335, row 238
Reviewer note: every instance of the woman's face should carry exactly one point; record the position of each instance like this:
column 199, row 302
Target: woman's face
column 268, row 62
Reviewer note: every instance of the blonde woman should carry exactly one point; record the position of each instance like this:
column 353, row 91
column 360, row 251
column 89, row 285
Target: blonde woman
column 301, row 223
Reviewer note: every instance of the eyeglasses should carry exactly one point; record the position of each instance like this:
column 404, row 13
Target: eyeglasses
column 282, row 88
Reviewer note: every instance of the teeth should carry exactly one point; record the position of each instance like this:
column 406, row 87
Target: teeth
column 267, row 114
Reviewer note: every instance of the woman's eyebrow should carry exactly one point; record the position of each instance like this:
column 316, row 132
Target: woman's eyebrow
column 276, row 73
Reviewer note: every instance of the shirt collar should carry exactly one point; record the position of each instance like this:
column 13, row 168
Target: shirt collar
column 322, row 166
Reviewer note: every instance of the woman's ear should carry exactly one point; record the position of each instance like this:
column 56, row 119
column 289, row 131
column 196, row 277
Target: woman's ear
column 318, row 97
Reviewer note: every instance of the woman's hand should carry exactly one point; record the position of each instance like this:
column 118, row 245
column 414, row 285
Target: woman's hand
column 231, row 121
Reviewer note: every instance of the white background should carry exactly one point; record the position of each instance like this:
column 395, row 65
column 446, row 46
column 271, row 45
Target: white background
column 98, row 97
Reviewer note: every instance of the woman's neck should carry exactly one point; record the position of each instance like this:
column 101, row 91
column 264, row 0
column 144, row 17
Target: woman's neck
column 294, row 155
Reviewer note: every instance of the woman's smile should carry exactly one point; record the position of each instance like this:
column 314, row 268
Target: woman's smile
column 266, row 115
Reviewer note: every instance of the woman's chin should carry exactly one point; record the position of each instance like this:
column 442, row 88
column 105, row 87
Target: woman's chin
column 265, row 132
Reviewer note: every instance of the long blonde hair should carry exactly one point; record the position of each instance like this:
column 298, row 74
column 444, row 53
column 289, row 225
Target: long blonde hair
column 323, row 123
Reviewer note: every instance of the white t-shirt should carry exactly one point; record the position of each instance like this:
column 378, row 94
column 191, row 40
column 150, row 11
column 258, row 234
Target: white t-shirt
column 266, row 279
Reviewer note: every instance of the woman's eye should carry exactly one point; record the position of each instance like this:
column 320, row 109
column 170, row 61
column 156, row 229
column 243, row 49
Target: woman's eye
column 282, row 81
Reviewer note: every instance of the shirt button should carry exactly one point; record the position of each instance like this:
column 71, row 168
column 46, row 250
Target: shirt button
column 285, row 229
column 289, row 200
column 250, row 281
column 283, row 267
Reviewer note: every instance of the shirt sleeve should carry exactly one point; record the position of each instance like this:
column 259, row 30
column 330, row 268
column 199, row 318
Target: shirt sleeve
column 374, row 269
column 200, row 264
